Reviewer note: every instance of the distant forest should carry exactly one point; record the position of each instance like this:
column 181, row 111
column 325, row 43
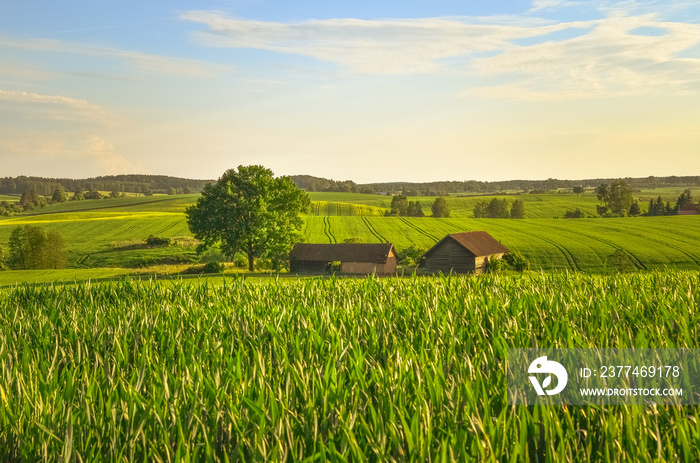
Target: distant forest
column 151, row 184
column 155, row 184
column 310, row 183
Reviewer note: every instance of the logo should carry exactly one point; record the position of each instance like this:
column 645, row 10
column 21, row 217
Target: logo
column 542, row 365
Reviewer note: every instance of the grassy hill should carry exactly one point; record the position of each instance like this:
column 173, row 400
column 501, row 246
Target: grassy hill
column 111, row 233
column 561, row 244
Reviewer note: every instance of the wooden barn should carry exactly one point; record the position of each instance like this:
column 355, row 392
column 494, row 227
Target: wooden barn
column 357, row 258
column 463, row 253
column 688, row 209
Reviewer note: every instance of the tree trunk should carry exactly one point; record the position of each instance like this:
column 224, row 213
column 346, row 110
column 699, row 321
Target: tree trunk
column 251, row 261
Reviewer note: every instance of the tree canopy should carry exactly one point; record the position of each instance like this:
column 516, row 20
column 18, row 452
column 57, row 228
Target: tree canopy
column 31, row 247
column 616, row 198
column 440, row 208
column 249, row 211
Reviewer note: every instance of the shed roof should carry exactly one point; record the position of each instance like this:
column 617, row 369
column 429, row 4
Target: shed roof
column 377, row 253
column 478, row 243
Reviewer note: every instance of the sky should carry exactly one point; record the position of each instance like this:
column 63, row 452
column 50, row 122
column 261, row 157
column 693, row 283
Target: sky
column 364, row 90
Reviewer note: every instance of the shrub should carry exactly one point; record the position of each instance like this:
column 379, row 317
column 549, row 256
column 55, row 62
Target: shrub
column 240, row 260
column 411, row 256
column 575, row 214
column 494, row 265
column 517, row 261
column 213, row 267
column 157, row 241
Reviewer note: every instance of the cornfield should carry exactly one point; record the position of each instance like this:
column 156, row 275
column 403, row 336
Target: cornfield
column 340, row 370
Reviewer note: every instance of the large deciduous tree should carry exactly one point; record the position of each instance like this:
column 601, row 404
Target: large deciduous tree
column 30, row 247
column 59, row 195
column 616, row 197
column 440, row 208
column 517, row 211
column 399, row 205
column 249, row 211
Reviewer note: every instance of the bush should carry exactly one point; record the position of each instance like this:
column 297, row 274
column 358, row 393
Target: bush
column 575, row 214
column 157, row 241
column 517, row 261
column 411, row 256
column 240, row 260
column 494, row 265
column 213, row 267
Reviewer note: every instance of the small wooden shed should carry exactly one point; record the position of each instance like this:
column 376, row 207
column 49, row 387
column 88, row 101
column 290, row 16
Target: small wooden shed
column 463, row 253
column 357, row 258
column 688, row 209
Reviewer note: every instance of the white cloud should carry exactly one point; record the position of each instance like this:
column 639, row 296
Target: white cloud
column 551, row 4
column 25, row 97
column 607, row 61
column 54, row 107
column 388, row 46
column 142, row 61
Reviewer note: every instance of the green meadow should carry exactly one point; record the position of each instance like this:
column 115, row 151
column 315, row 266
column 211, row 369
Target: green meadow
column 559, row 244
column 111, row 233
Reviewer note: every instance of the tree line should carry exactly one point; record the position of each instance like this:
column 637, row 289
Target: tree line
column 402, row 207
column 31, row 247
column 540, row 186
column 499, row 209
column 161, row 184
column 618, row 201
column 158, row 184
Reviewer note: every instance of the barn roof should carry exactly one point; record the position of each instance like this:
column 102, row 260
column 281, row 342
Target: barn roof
column 377, row 253
column 478, row 243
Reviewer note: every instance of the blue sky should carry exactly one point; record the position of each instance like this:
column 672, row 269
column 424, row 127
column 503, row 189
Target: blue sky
column 369, row 91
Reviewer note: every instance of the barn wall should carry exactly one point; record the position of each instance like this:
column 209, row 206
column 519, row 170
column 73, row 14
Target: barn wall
column 390, row 266
column 364, row 268
column 449, row 255
column 305, row 266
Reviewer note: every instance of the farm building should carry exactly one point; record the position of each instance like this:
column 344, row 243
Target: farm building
column 346, row 257
column 688, row 209
column 463, row 253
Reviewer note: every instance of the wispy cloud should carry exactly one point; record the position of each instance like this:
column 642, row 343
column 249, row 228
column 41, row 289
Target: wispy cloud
column 146, row 62
column 609, row 59
column 368, row 46
column 55, row 107
column 538, row 5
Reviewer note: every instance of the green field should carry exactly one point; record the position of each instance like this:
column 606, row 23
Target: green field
column 111, row 233
column 102, row 238
column 582, row 244
column 330, row 370
column 536, row 206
